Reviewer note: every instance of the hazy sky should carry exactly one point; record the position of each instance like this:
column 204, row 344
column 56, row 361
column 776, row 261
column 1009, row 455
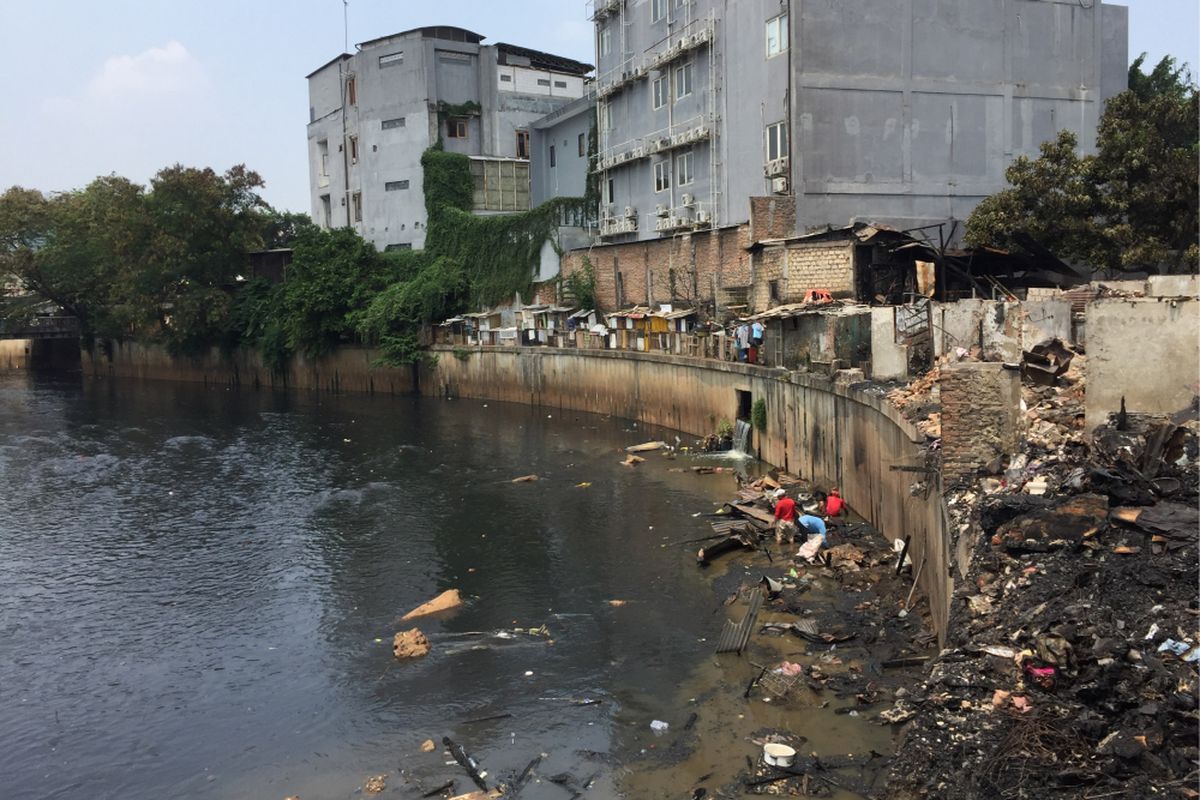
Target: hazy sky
column 128, row 86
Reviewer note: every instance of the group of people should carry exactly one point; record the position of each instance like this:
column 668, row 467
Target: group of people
column 748, row 339
column 789, row 521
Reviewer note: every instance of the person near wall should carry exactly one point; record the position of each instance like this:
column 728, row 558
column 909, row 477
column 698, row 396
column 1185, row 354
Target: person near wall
column 785, row 517
column 834, row 505
column 812, row 525
column 742, row 339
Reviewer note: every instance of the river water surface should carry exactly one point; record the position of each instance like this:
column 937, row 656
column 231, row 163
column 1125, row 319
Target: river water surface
column 198, row 590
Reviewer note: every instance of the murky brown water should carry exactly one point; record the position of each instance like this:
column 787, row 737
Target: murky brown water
column 200, row 586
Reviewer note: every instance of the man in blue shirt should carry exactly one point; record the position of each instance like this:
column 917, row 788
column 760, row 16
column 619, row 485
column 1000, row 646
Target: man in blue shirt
column 814, row 526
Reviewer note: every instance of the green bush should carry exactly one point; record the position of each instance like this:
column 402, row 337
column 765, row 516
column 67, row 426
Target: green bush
column 758, row 415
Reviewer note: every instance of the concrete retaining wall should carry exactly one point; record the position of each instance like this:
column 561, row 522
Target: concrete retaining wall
column 348, row 369
column 14, row 353
column 834, row 435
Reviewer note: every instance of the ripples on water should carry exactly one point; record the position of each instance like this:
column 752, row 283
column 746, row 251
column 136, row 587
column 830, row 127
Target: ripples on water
column 193, row 581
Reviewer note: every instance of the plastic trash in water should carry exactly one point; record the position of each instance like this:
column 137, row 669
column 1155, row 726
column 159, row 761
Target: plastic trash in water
column 658, row 726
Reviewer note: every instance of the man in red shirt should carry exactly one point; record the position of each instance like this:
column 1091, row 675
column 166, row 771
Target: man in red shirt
column 834, row 504
column 785, row 517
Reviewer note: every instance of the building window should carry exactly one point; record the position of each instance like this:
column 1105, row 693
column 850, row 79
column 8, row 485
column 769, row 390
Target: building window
column 395, row 186
column 661, row 91
column 683, row 80
column 506, row 78
column 582, row 145
column 662, row 176
column 777, row 141
column 392, row 59
column 323, row 153
column 388, row 124
column 609, row 192
column 356, row 202
column 351, row 91
column 401, row 246
column 777, row 35
column 450, row 57
column 683, row 169
column 604, row 116
column 553, row 159
column 560, row 84
column 353, row 149
column 543, row 81
column 326, row 211
column 456, row 128
column 522, row 144
column 773, row 290
column 605, row 40
column 658, row 10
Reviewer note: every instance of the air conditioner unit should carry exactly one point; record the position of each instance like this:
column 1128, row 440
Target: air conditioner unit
column 639, row 152
column 702, row 217
column 683, row 43
column 677, row 140
column 687, row 200
column 660, row 210
column 630, row 212
column 779, row 185
column 697, row 39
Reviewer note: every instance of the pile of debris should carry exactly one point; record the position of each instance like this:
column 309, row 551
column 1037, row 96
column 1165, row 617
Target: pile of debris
column 1073, row 643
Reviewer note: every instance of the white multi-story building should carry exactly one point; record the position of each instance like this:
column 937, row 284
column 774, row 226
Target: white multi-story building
column 373, row 113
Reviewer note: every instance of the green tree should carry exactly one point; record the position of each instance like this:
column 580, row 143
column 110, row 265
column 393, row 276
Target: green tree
column 1132, row 206
column 333, row 273
column 1146, row 165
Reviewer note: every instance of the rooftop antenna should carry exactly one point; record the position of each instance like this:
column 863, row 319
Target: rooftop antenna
column 345, row 26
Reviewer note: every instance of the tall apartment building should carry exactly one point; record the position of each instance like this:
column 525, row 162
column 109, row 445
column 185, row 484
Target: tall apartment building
column 374, row 112
column 898, row 111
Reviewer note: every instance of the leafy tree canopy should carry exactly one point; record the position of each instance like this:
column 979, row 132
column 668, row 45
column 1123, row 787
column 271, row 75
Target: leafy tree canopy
column 1130, row 207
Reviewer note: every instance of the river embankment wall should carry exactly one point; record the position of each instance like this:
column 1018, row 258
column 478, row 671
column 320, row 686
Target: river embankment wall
column 832, row 434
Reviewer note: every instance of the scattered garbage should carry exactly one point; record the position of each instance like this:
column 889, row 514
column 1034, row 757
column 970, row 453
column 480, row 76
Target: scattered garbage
column 646, row 447
column 525, row 479
column 375, row 784
column 447, row 600
column 658, row 726
column 632, row 460
column 410, row 644
column 428, row 746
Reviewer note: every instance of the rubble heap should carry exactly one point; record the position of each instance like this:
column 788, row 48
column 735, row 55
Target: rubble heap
column 1070, row 667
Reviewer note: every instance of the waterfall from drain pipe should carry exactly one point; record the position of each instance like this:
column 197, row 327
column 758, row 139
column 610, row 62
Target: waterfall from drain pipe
column 741, row 436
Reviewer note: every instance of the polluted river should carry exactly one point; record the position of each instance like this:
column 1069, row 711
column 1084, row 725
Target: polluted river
column 200, row 588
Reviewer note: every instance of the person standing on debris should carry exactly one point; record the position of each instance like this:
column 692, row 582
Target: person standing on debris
column 785, row 517
column 741, row 337
column 814, row 527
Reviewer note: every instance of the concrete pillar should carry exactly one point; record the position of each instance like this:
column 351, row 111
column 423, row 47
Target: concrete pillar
column 981, row 415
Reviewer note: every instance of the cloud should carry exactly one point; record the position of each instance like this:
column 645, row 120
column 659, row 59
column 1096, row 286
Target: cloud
column 160, row 75
column 160, row 71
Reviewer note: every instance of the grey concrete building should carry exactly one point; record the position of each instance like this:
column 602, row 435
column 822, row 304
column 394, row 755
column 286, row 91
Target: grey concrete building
column 558, row 165
column 898, row 111
column 374, row 112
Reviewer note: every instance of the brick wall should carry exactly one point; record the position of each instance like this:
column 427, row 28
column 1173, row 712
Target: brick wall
column 980, row 415
column 637, row 272
column 772, row 217
column 825, row 265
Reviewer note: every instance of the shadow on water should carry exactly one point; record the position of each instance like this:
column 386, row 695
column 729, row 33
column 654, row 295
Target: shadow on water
column 201, row 586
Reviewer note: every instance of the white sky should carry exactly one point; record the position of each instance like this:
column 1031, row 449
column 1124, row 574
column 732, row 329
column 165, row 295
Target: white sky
column 91, row 87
